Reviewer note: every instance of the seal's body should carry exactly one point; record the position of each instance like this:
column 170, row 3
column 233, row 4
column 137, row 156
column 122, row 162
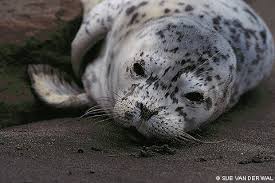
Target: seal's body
column 167, row 66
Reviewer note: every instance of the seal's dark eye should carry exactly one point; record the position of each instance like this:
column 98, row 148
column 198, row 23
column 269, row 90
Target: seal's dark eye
column 194, row 97
column 139, row 70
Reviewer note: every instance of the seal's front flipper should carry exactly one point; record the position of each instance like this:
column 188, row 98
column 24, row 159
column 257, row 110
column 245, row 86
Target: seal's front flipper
column 88, row 5
column 97, row 21
column 55, row 88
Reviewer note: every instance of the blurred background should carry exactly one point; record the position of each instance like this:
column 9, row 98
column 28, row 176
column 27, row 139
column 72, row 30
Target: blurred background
column 26, row 18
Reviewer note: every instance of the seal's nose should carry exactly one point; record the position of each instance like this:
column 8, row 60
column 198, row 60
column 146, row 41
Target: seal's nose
column 145, row 112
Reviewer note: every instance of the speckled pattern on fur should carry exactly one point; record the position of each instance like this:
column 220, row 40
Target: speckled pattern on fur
column 169, row 66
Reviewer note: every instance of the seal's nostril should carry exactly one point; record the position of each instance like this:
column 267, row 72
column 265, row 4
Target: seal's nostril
column 145, row 112
column 139, row 105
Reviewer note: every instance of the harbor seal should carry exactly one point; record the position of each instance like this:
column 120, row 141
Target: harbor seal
column 166, row 66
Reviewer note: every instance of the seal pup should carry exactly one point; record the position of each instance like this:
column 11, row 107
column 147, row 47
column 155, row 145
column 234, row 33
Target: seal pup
column 166, row 67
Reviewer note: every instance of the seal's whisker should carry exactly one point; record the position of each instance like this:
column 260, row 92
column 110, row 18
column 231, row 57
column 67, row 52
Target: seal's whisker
column 87, row 112
column 98, row 116
column 93, row 107
column 103, row 120
column 92, row 110
column 103, row 108
column 108, row 120
column 116, row 94
column 181, row 139
column 191, row 138
column 96, row 107
column 97, row 112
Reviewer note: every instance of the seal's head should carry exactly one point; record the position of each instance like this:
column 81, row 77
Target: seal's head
column 177, row 75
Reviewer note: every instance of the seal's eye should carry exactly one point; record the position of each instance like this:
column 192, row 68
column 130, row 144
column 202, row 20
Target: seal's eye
column 194, row 97
column 138, row 69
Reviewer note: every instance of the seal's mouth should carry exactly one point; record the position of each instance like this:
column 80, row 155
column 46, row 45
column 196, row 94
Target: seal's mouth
column 139, row 124
column 133, row 130
column 142, row 128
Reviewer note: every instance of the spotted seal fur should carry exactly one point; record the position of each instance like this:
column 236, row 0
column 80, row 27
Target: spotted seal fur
column 166, row 66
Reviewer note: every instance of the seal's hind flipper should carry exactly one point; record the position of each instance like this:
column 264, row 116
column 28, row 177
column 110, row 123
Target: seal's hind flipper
column 55, row 88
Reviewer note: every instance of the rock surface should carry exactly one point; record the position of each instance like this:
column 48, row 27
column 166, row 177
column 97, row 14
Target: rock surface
column 26, row 18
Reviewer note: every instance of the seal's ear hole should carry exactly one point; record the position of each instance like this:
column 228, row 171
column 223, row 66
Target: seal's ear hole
column 138, row 69
column 194, row 97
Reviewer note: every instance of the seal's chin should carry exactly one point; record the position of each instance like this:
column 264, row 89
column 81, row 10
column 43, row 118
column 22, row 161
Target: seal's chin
column 152, row 128
column 163, row 123
column 141, row 127
column 165, row 128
